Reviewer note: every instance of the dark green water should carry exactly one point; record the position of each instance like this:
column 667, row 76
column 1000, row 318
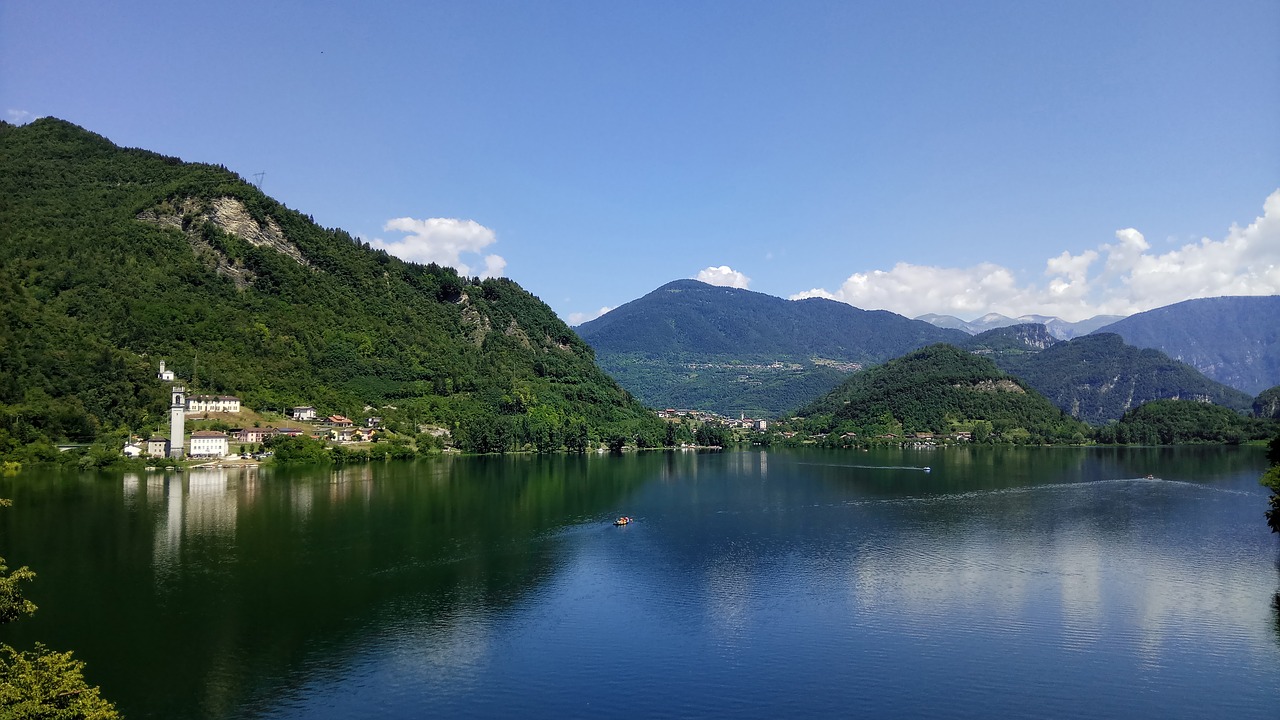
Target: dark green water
column 1006, row 582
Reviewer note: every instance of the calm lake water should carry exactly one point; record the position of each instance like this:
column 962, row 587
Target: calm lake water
column 1049, row 583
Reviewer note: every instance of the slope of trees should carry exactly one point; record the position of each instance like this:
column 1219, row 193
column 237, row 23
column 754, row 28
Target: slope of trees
column 938, row 389
column 1175, row 422
column 113, row 259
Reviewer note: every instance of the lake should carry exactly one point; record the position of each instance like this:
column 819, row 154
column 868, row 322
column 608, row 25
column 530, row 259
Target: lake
column 1004, row 582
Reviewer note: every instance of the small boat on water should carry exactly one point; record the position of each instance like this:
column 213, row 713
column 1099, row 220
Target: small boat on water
column 624, row 520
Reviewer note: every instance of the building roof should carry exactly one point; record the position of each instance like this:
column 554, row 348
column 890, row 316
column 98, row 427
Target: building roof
column 208, row 434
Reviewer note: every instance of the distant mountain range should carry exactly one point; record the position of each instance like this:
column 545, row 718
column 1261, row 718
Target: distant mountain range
column 1098, row 377
column 1234, row 340
column 1059, row 328
column 690, row 344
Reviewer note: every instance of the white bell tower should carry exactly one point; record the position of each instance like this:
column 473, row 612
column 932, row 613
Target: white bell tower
column 177, row 418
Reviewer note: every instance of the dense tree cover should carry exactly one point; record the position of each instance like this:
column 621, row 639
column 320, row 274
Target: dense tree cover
column 1234, row 340
column 650, row 344
column 939, row 389
column 1267, row 404
column 1271, row 480
column 1097, row 378
column 745, row 385
column 41, row 683
column 113, row 259
column 1174, row 422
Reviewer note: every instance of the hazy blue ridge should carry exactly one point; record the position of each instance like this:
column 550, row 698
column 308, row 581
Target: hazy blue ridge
column 1234, row 340
column 1098, row 378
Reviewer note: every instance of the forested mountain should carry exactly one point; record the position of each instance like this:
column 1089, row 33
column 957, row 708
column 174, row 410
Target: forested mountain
column 939, row 389
column 1098, row 378
column 1234, row 340
column 690, row 344
column 1175, row 422
column 113, row 259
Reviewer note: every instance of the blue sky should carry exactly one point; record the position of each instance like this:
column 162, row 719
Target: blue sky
column 1067, row 158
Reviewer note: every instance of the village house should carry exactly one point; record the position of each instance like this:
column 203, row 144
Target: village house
column 208, row 443
column 303, row 412
column 132, row 450
column 338, row 421
column 213, row 404
column 373, row 421
column 289, row 432
column 164, row 375
column 254, row 435
column 158, row 446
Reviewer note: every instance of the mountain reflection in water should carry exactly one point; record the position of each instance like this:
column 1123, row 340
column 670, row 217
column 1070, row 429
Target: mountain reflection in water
column 1051, row 582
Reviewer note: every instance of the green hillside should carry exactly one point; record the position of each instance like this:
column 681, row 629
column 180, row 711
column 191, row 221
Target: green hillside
column 1175, row 422
column 114, row 259
column 1097, row 378
column 690, row 344
column 939, row 389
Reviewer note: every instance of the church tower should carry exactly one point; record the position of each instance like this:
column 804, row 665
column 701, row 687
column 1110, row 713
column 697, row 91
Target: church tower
column 177, row 417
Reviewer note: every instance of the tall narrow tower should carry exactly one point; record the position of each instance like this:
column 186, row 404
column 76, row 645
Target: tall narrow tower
column 177, row 417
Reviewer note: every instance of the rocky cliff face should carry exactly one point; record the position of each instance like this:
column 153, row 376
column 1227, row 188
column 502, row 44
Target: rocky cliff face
column 228, row 215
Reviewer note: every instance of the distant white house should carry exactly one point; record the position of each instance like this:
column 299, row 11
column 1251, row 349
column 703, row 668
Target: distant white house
column 303, row 412
column 157, row 446
column 132, row 450
column 213, row 403
column 208, row 443
column 164, row 375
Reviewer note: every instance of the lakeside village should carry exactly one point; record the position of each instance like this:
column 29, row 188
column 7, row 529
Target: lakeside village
column 240, row 443
column 250, row 443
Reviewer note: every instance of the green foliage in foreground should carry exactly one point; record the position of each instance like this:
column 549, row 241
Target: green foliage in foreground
column 1271, row 479
column 939, row 389
column 113, row 259
column 41, row 683
column 1175, row 422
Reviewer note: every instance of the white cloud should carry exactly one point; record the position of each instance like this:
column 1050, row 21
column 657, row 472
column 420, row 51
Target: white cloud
column 725, row 276
column 19, row 117
column 1131, row 278
column 577, row 318
column 442, row 241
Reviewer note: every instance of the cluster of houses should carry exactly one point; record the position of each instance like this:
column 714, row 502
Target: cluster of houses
column 742, row 422
column 919, row 439
column 217, row 444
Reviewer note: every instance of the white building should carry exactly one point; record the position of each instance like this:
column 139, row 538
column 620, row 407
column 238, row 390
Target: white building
column 213, row 403
column 164, row 375
column 132, row 450
column 177, row 420
column 208, row 443
column 303, row 412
